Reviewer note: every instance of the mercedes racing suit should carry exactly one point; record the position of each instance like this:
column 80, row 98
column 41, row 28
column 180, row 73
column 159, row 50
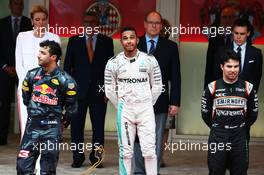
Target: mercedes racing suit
column 46, row 97
column 133, row 86
column 228, row 109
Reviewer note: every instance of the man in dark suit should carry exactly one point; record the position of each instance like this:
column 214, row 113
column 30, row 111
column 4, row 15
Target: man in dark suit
column 85, row 60
column 10, row 26
column 227, row 17
column 166, row 53
column 251, row 57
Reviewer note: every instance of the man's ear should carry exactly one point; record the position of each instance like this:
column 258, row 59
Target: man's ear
column 145, row 24
column 222, row 66
column 248, row 33
column 53, row 57
column 137, row 40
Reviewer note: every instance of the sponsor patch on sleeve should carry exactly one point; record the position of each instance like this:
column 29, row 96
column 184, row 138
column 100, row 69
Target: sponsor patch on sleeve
column 71, row 85
column 25, row 83
column 71, row 92
column 55, row 81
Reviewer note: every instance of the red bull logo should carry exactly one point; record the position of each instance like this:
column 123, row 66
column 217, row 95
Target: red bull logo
column 45, row 89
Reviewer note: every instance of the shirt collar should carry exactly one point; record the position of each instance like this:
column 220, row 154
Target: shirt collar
column 133, row 58
column 243, row 46
column 94, row 37
column 155, row 38
column 13, row 18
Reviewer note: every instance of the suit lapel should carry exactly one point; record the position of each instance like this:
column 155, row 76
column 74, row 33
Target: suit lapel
column 142, row 45
column 247, row 57
column 10, row 30
column 22, row 24
column 83, row 49
column 159, row 44
column 97, row 44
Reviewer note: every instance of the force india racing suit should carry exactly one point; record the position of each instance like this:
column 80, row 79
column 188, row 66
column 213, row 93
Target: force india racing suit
column 133, row 86
column 229, row 109
column 46, row 96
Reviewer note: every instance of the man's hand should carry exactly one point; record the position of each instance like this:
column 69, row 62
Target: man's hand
column 66, row 124
column 11, row 71
column 173, row 110
column 66, row 121
column 105, row 99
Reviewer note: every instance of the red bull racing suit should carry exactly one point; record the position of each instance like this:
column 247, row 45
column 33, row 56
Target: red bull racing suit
column 229, row 109
column 48, row 97
column 133, row 86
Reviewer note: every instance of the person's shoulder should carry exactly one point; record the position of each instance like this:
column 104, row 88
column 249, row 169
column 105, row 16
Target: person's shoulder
column 254, row 49
column 221, row 49
column 64, row 76
column 115, row 58
column 212, row 86
column 145, row 55
column 148, row 57
column 26, row 34
column 24, row 18
column 75, row 38
column 142, row 37
column 5, row 20
column 34, row 71
column 104, row 37
column 167, row 41
column 248, row 86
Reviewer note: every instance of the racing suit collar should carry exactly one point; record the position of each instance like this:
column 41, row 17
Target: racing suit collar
column 132, row 59
column 54, row 72
column 230, row 84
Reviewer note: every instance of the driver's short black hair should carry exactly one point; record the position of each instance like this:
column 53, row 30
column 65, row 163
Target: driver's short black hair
column 54, row 48
column 128, row 28
column 229, row 54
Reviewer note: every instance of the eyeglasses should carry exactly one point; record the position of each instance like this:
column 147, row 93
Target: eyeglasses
column 154, row 22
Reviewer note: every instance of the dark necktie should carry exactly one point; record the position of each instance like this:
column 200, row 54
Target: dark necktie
column 90, row 49
column 16, row 28
column 152, row 46
column 239, row 55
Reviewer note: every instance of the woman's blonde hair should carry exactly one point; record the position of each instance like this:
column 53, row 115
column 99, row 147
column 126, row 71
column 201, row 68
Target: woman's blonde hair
column 37, row 9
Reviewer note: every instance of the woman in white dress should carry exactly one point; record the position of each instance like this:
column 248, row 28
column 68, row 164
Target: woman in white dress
column 27, row 49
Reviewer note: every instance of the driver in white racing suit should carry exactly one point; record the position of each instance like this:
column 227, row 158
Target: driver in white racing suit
column 133, row 83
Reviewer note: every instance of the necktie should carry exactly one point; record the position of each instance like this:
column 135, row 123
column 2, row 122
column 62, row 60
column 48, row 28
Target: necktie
column 239, row 55
column 152, row 47
column 90, row 49
column 16, row 28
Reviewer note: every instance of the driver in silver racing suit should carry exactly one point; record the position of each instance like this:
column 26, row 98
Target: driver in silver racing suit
column 133, row 86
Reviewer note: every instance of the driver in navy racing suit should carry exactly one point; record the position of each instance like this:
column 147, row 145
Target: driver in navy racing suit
column 49, row 93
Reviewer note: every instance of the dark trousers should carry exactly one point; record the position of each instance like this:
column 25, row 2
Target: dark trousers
column 42, row 139
column 6, row 96
column 97, row 111
column 235, row 159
